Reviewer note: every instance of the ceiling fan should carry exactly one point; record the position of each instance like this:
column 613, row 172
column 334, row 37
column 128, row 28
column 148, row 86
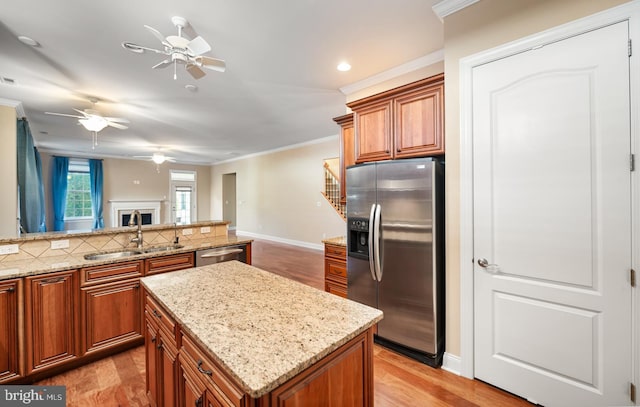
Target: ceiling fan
column 157, row 158
column 181, row 50
column 93, row 121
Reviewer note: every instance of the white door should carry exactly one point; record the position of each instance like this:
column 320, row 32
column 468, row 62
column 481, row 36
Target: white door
column 552, row 219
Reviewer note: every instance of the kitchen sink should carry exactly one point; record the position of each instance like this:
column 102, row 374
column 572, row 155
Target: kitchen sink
column 112, row 255
column 130, row 252
column 162, row 248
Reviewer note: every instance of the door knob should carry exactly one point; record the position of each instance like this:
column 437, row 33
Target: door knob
column 484, row 263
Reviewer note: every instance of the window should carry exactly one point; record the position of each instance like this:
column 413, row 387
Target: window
column 78, row 190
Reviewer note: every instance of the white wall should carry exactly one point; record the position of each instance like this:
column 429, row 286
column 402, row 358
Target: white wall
column 279, row 193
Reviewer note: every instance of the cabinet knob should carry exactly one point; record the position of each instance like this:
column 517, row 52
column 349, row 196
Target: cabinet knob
column 11, row 289
column 157, row 314
column 153, row 339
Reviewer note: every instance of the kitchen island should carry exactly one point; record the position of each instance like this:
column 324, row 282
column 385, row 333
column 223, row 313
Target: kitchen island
column 232, row 334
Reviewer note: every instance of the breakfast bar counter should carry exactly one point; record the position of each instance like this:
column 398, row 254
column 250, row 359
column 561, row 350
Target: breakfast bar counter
column 267, row 337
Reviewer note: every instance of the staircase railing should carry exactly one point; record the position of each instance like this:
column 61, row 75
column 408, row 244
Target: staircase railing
column 332, row 190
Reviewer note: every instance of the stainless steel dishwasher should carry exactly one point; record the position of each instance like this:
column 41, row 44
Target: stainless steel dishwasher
column 220, row 254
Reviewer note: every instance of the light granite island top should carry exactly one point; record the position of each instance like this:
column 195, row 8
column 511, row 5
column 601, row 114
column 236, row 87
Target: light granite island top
column 263, row 329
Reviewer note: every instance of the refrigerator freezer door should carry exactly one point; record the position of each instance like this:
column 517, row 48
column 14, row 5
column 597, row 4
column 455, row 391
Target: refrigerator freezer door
column 406, row 290
column 361, row 196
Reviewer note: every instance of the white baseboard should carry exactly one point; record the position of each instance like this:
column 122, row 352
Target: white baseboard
column 314, row 246
column 451, row 363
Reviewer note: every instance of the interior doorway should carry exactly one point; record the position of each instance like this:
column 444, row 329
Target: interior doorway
column 229, row 199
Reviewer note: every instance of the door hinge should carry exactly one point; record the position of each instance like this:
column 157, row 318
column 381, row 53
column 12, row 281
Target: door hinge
column 632, row 162
column 632, row 278
column 630, row 52
column 632, row 392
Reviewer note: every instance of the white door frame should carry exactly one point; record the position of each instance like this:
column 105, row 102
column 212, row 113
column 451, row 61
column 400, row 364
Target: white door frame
column 629, row 11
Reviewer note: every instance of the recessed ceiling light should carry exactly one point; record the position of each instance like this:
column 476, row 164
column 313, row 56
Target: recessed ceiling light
column 29, row 41
column 343, row 66
column 7, row 81
column 191, row 88
column 44, row 132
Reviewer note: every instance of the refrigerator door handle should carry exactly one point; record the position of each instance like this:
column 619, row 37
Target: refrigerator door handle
column 371, row 240
column 376, row 243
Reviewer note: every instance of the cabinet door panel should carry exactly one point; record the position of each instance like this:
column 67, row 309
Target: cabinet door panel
column 151, row 340
column 418, row 123
column 168, row 356
column 111, row 315
column 51, row 319
column 9, row 346
column 373, row 132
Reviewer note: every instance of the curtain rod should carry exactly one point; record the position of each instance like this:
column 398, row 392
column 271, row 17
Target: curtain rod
column 78, row 158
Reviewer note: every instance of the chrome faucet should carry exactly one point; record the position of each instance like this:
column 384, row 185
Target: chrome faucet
column 138, row 238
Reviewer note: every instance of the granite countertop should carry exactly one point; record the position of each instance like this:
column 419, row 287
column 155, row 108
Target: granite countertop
column 263, row 329
column 44, row 265
column 65, row 234
column 338, row 241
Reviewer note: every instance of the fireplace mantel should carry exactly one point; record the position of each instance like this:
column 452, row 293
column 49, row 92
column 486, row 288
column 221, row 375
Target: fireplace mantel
column 120, row 207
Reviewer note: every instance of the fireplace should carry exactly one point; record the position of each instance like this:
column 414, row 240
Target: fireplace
column 121, row 212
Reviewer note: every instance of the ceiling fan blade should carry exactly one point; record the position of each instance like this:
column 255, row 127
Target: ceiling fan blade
column 139, row 49
column 117, row 119
column 157, row 34
column 65, row 115
column 117, row 125
column 162, row 64
column 198, row 46
column 82, row 112
column 211, row 63
column 195, row 71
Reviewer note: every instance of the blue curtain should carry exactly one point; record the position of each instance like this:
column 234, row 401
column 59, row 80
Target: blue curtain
column 59, row 190
column 29, row 181
column 95, row 174
column 43, row 218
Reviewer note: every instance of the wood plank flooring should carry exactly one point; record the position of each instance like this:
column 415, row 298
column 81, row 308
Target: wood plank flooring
column 399, row 381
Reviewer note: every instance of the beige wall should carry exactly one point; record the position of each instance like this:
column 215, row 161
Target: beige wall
column 9, row 171
column 278, row 193
column 119, row 177
column 482, row 26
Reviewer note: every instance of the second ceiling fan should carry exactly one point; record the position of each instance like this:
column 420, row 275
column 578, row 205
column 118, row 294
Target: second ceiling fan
column 181, row 50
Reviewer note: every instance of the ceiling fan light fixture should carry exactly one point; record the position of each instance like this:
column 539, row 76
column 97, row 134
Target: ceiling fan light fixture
column 158, row 158
column 94, row 123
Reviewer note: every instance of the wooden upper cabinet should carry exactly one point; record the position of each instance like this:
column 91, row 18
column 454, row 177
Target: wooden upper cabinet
column 373, row 132
column 418, row 122
column 51, row 319
column 403, row 122
column 347, row 151
column 10, row 350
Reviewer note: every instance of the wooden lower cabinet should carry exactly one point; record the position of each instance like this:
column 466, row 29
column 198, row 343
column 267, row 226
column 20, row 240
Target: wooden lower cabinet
column 10, row 347
column 51, row 319
column 111, row 315
column 172, row 262
column 111, row 306
column 162, row 356
column 335, row 269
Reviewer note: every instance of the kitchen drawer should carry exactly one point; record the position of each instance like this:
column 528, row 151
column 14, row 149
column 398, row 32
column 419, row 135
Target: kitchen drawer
column 164, row 264
column 335, row 267
column 336, row 251
column 335, row 287
column 164, row 320
column 222, row 387
column 110, row 272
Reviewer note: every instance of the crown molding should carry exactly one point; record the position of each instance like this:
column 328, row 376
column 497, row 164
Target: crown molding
column 448, row 7
column 15, row 104
column 393, row 73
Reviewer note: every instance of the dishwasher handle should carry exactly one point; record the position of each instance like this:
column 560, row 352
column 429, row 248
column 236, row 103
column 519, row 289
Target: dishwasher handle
column 221, row 253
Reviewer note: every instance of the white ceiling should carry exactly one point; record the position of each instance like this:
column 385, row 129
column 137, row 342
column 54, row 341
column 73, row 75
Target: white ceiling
column 281, row 86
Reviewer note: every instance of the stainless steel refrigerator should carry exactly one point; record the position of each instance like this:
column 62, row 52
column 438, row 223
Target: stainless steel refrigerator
column 395, row 256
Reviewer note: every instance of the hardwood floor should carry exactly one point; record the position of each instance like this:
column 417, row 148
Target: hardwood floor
column 399, row 381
